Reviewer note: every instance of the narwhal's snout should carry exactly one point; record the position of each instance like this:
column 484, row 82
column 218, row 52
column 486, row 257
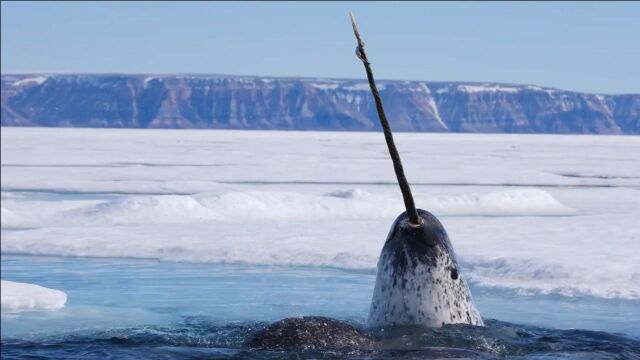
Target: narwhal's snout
column 429, row 234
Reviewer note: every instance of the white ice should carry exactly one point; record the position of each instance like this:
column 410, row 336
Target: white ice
column 17, row 297
column 528, row 213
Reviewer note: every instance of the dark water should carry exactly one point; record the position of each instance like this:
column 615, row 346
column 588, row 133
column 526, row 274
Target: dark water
column 196, row 338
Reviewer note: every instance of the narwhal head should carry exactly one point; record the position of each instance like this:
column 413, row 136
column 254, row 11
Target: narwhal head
column 419, row 281
column 427, row 244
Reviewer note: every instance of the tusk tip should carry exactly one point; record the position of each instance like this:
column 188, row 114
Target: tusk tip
column 353, row 21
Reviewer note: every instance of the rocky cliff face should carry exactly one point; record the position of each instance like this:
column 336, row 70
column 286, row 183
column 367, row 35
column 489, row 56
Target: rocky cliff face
column 234, row 102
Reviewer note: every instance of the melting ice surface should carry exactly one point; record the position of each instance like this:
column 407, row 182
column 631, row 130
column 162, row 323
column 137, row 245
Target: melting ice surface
column 184, row 242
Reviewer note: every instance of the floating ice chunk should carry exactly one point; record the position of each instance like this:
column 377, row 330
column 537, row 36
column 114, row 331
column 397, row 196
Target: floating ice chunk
column 18, row 297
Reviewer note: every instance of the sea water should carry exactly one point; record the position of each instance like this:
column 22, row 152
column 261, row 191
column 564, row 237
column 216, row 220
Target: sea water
column 184, row 243
column 147, row 303
column 130, row 306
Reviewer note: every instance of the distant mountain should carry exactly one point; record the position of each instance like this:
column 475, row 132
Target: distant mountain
column 247, row 102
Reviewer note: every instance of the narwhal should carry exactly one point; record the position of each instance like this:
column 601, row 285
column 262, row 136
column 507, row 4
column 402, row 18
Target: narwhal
column 418, row 282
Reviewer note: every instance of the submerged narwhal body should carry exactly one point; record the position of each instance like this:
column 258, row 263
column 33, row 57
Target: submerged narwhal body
column 419, row 280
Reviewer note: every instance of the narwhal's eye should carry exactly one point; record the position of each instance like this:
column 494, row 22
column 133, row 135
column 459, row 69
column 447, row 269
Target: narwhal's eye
column 454, row 273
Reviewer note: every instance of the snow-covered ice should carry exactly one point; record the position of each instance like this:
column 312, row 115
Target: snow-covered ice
column 532, row 214
column 18, row 297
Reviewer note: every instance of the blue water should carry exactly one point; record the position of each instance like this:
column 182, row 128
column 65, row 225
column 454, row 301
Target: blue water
column 144, row 308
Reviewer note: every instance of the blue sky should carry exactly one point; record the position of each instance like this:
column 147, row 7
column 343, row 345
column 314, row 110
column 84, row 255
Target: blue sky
column 591, row 47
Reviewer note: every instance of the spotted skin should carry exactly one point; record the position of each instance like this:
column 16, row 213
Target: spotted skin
column 419, row 280
column 311, row 332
